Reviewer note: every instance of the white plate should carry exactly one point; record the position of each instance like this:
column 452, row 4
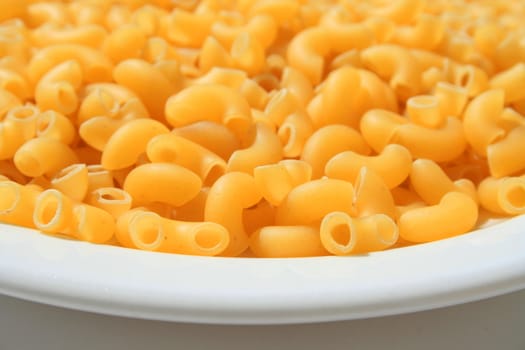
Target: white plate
column 125, row 282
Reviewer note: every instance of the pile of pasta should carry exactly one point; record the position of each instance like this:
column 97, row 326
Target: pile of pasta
column 265, row 128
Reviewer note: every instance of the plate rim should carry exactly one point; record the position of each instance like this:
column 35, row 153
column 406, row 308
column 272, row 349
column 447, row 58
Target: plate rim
column 170, row 287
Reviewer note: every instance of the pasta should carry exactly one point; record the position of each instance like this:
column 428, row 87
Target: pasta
column 261, row 128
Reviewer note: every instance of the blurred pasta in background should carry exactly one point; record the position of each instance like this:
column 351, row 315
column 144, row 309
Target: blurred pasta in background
column 261, row 128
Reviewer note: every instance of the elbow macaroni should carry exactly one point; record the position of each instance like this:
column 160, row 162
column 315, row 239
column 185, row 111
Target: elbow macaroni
column 273, row 128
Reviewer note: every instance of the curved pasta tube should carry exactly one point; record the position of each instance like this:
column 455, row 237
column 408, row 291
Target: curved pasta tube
column 73, row 181
column 92, row 224
column 397, row 65
column 211, row 135
column 223, row 105
column 17, row 203
column 275, row 181
column 392, row 165
column 113, row 200
column 379, row 94
column 139, row 76
column 230, row 77
column 162, row 182
column 254, row 94
column 124, row 42
column 170, row 148
column 281, row 105
column 503, row 196
column 441, row 144
column 340, row 100
column 227, row 199
column 378, row 127
column 306, row 52
column 328, row 141
column 328, row 195
column 97, row 131
column 343, row 235
column 298, row 84
column 95, row 65
column 188, row 29
column 53, row 212
column 265, row 149
column 148, row 231
column 452, row 99
column 505, row 157
column 24, row 119
column 43, row 156
column 426, row 33
column 511, row 82
column 455, row 214
column 287, row 242
column 129, row 141
column 424, row 110
column 213, row 54
column 372, row 196
column 91, row 35
column 480, row 120
column 294, row 132
column 57, row 89
column 15, row 83
column 471, row 77
column 431, row 183
column 8, row 101
column 56, row 126
column 261, row 27
column 98, row 177
column 247, row 53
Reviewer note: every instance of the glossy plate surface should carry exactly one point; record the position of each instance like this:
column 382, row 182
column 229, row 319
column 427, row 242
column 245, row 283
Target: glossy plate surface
column 125, row 282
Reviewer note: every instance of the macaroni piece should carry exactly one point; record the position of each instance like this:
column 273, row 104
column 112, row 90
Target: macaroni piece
column 265, row 128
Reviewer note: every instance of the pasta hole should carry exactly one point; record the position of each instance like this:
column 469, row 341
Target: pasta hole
column 146, row 231
column 9, row 196
column 341, row 234
column 208, row 238
column 516, row 196
column 48, row 211
column 464, row 79
column 43, row 124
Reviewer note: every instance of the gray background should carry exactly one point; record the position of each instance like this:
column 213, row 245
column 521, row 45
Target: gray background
column 496, row 323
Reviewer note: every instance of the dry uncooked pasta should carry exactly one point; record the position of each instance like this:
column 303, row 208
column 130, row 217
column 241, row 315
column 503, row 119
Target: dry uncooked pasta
column 261, row 128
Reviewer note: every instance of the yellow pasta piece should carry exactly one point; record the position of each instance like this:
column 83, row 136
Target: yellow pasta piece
column 95, row 66
column 138, row 76
column 119, row 153
column 43, row 156
column 372, row 196
column 294, row 132
column 98, row 177
column 265, row 149
column 511, row 82
column 504, row 157
column 431, row 183
column 223, row 105
column 424, row 110
column 286, row 242
column 452, row 99
column 211, row 135
column 73, row 181
column 15, row 83
column 154, row 182
column 17, row 203
column 53, row 213
column 393, row 165
column 93, row 224
column 170, row 148
column 24, row 119
column 7, row 101
column 298, row 84
column 50, row 34
column 343, row 235
column 329, row 141
column 455, row 214
column 113, row 200
column 124, row 43
column 328, row 194
column 55, row 125
column 148, row 231
column 503, row 196
column 227, row 199
column 397, row 65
